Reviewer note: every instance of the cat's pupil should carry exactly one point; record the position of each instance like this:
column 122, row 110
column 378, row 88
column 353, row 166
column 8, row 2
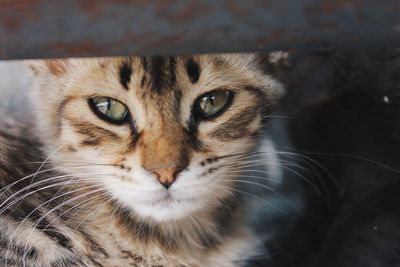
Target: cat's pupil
column 212, row 98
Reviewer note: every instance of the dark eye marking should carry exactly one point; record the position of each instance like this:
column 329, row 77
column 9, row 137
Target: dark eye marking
column 157, row 66
column 162, row 73
column 93, row 134
column 193, row 71
column 125, row 73
column 237, row 126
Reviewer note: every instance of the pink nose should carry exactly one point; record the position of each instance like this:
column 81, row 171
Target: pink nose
column 167, row 176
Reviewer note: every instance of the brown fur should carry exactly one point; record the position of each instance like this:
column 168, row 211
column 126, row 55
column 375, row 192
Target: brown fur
column 56, row 67
column 199, row 220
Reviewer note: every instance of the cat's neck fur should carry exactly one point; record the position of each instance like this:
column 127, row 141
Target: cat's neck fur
column 217, row 235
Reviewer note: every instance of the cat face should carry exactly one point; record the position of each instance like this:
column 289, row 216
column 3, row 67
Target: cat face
column 160, row 134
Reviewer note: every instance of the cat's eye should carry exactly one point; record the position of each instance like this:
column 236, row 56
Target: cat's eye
column 109, row 109
column 212, row 103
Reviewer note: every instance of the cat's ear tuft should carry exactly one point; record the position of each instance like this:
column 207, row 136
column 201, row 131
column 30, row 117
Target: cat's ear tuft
column 55, row 67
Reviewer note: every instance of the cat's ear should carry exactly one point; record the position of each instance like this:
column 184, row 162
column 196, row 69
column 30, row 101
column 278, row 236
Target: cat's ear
column 274, row 63
column 56, row 67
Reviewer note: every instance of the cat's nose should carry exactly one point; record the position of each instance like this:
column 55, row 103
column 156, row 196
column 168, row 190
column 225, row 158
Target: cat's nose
column 167, row 176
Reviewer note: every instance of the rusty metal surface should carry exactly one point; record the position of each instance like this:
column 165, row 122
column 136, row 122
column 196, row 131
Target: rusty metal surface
column 61, row 28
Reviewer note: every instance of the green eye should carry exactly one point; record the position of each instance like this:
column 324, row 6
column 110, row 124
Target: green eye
column 212, row 103
column 109, row 109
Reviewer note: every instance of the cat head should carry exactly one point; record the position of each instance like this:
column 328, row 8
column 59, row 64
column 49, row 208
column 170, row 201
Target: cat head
column 161, row 135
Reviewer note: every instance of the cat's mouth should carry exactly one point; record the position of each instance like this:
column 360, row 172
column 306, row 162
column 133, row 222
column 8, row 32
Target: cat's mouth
column 166, row 206
column 168, row 199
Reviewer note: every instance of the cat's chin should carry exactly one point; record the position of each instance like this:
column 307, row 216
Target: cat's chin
column 165, row 209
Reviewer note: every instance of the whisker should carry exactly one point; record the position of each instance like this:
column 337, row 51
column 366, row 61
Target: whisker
column 40, row 172
column 78, row 205
column 270, row 189
column 355, row 157
column 57, row 207
column 269, row 180
column 40, row 189
column 46, row 160
column 256, row 197
column 287, row 166
column 281, row 117
column 84, row 219
column 65, row 162
column 40, row 206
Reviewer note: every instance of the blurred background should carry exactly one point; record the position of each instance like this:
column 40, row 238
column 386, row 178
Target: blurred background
column 14, row 84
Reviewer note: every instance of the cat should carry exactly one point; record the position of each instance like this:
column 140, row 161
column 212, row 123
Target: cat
column 134, row 161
